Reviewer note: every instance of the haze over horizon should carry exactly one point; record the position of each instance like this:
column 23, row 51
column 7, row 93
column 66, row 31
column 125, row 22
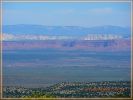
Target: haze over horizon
column 85, row 14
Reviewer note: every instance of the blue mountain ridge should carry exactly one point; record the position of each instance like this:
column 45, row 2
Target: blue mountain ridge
column 66, row 30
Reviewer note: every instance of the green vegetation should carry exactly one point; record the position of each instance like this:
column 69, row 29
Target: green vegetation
column 103, row 89
column 38, row 94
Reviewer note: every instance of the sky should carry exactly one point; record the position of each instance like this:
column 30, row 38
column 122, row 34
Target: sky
column 85, row 14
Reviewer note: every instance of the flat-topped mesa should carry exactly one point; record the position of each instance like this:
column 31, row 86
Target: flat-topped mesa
column 102, row 37
column 12, row 37
column 91, row 45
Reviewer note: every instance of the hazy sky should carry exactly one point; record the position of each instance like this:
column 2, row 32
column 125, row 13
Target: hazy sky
column 68, row 14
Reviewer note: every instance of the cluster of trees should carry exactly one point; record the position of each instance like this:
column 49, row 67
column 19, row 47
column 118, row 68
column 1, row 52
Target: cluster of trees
column 72, row 90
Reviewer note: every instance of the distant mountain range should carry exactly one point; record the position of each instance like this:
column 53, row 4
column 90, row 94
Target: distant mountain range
column 65, row 30
column 102, row 38
column 40, row 32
